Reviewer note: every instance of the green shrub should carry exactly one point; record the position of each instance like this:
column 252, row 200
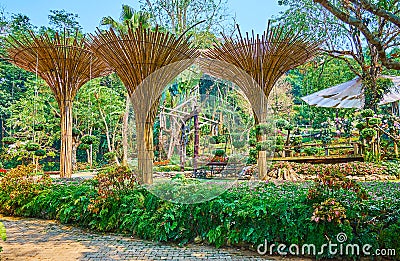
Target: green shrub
column 109, row 156
column 75, row 132
column 219, row 153
column 265, row 145
column 168, row 168
column 253, row 156
column 3, row 235
column 84, row 146
column 9, row 140
column 88, row 139
column 238, row 144
column 40, row 153
column 19, row 186
column 253, row 142
column 244, row 215
column 392, row 168
column 361, row 125
column 310, row 151
column 32, row 146
column 367, row 113
column 281, row 123
column 38, row 127
column 368, row 133
column 374, row 121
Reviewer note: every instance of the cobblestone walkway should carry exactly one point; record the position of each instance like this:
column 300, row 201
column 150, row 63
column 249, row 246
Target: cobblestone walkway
column 33, row 239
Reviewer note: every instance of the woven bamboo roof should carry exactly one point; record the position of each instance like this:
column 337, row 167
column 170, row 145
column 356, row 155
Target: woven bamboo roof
column 64, row 62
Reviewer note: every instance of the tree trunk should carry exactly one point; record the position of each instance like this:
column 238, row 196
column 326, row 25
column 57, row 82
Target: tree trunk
column 125, row 134
column 182, row 150
column 196, row 140
column 66, row 139
column 145, row 151
column 74, row 161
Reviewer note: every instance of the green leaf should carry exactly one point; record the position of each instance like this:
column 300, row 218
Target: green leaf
column 3, row 234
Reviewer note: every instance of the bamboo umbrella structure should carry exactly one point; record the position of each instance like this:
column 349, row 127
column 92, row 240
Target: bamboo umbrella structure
column 256, row 63
column 146, row 61
column 65, row 63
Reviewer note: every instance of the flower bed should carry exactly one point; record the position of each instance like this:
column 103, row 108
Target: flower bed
column 245, row 215
column 356, row 170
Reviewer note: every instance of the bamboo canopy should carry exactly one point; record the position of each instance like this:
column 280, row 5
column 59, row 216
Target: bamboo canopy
column 146, row 61
column 65, row 64
column 264, row 59
column 256, row 63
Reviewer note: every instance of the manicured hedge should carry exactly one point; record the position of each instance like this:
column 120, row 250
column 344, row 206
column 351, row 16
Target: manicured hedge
column 244, row 215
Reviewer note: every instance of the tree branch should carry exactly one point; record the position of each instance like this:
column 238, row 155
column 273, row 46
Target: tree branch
column 348, row 19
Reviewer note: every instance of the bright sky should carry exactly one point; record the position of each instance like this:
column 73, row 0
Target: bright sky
column 250, row 14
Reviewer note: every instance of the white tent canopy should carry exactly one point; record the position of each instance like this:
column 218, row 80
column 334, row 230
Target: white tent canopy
column 350, row 95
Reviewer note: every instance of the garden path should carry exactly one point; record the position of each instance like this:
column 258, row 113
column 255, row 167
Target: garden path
column 35, row 239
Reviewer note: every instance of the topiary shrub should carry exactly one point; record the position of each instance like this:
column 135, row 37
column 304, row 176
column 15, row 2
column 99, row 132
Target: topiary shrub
column 288, row 127
column 238, row 144
column 109, row 155
column 75, row 132
column 38, row 127
column 367, row 113
column 368, row 133
column 9, row 140
column 361, row 125
column 263, row 128
column 88, row 139
column 281, row 123
column 374, row 121
column 264, row 145
column 40, row 153
column 253, row 156
column 83, row 146
column 32, row 146
column 219, row 153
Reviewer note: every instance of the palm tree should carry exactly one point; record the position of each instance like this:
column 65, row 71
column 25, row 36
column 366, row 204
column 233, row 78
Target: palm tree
column 128, row 18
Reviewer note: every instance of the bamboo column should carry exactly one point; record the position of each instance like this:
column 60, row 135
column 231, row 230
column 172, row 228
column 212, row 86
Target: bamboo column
column 65, row 64
column 255, row 63
column 146, row 61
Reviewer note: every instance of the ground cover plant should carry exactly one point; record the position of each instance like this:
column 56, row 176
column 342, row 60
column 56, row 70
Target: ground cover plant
column 246, row 214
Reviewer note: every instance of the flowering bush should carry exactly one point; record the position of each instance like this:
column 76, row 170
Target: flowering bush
column 20, row 185
column 245, row 215
column 330, row 210
column 347, row 169
column 162, row 163
column 110, row 184
column 330, row 181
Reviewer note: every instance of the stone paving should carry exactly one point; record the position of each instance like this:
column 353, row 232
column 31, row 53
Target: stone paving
column 35, row 239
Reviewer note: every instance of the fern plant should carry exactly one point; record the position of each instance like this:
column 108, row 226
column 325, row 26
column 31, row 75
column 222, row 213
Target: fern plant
column 3, row 235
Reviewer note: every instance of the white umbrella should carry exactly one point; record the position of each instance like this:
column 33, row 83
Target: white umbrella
column 350, row 95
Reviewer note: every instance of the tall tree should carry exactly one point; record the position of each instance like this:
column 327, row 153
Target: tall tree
column 178, row 16
column 345, row 41
column 371, row 18
column 128, row 18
